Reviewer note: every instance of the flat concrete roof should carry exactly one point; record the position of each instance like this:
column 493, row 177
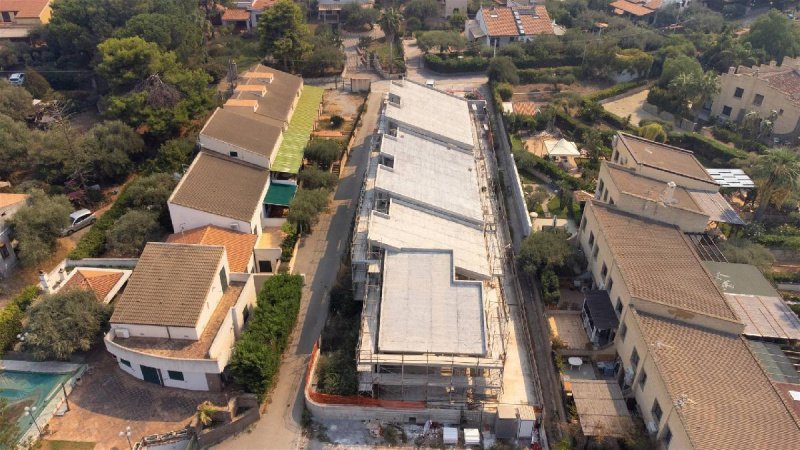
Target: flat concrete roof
column 431, row 174
column 432, row 112
column 407, row 227
column 734, row 278
column 425, row 310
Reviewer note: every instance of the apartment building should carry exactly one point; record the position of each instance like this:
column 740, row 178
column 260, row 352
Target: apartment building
column 424, row 259
column 771, row 91
column 19, row 17
column 691, row 349
column 179, row 316
column 662, row 182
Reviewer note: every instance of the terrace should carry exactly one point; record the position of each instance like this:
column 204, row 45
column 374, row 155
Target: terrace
column 295, row 138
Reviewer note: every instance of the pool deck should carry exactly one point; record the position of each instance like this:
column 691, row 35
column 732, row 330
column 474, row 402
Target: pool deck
column 38, row 367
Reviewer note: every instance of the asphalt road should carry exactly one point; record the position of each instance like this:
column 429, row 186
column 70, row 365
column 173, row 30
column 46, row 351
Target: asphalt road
column 319, row 259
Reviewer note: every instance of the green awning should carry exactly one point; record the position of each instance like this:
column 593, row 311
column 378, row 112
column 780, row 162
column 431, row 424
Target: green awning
column 295, row 138
column 280, row 194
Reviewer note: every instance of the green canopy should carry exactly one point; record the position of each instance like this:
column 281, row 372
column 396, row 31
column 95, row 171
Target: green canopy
column 295, row 138
column 280, row 194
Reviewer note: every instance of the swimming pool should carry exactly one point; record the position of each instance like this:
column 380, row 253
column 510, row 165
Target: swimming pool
column 23, row 389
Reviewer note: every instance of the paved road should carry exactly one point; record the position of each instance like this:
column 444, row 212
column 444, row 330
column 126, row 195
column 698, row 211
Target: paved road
column 319, row 258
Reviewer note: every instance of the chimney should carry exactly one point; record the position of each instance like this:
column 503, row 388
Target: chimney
column 43, row 281
column 61, row 275
column 669, row 193
column 731, row 70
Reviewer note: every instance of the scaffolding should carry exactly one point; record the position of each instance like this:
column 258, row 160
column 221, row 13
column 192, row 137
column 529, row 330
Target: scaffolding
column 442, row 381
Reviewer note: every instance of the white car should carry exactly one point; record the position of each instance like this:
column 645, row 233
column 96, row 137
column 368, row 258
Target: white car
column 17, row 79
column 79, row 219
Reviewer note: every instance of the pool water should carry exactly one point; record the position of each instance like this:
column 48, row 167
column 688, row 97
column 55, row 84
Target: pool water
column 22, row 389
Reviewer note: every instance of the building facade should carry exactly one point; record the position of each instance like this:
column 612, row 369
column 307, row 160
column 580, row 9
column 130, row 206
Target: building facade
column 179, row 316
column 769, row 91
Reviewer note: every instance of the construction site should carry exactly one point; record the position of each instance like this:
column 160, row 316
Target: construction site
column 437, row 325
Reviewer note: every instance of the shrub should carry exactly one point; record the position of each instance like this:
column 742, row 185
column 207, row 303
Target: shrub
column 289, row 241
column 455, row 64
column 666, row 100
column 337, row 121
column 257, row 354
column 10, row 325
column 563, row 75
column 337, row 374
column 706, row 148
column 305, row 207
column 614, row 90
column 505, row 91
column 64, row 323
column 131, row 232
column 323, row 152
column 550, row 289
column 503, row 70
column 313, row 177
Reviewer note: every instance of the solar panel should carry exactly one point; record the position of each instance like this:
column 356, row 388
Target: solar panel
column 735, row 178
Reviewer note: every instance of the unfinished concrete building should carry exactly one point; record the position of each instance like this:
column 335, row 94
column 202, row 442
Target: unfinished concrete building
column 425, row 257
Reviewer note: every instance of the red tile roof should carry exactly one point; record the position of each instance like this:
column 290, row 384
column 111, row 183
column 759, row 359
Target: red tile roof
column 631, row 8
column 235, row 15
column 500, row 22
column 24, row 9
column 527, row 108
column 787, row 82
column 239, row 245
column 101, row 282
column 538, row 23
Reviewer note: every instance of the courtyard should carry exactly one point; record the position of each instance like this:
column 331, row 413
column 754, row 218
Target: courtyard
column 106, row 401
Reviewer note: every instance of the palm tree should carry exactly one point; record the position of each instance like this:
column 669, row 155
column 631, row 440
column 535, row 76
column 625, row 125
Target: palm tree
column 390, row 23
column 205, row 413
column 775, row 172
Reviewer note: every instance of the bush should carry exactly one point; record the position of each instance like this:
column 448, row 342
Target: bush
column 530, row 164
column 503, row 70
column 562, row 75
column 305, row 207
column 540, row 63
column 455, row 64
column 666, row 100
column 505, row 91
column 706, row 148
column 64, row 323
column 614, row 90
column 289, row 241
column 550, row 289
column 337, row 374
column 256, row 356
column 131, row 232
column 323, row 152
column 312, row 177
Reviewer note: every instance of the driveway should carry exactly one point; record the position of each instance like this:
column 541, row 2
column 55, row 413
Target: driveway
column 319, row 259
column 417, row 72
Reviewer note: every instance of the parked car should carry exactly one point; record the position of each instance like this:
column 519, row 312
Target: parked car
column 79, row 219
column 17, row 79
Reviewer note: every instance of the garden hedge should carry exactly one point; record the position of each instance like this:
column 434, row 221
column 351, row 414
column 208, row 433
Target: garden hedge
column 454, row 64
column 704, row 147
column 257, row 354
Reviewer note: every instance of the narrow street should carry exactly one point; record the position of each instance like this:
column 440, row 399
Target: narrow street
column 319, row 259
